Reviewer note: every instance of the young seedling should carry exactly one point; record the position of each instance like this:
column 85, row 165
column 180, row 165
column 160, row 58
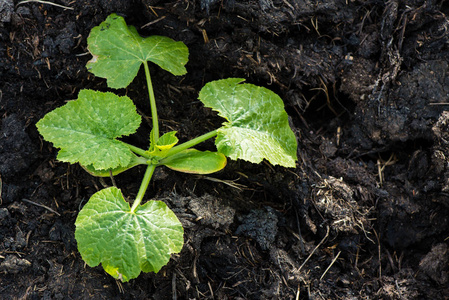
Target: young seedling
column 129, row 239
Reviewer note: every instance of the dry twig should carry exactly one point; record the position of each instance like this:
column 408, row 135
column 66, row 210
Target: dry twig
column 332, row 262
column 310, row 255
column 41, row 205
column 45, row 2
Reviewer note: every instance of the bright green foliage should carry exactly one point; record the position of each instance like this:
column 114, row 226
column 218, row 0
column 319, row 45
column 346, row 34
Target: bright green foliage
column 128, row 240
column 257, row 124
column 195, row 162
column 118, row 52
column 135, row 161
column 86, row 129
column 163, row 144
column 127, row 243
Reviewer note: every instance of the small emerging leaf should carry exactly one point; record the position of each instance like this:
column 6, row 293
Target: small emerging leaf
column 163, row 144
column 127, row 243
column 195, row 161
column 86, row 129
column 118, row 52
column 167, row 141
column 257, row 126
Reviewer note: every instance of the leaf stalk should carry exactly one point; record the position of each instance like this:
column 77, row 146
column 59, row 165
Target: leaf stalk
column 152, row 102
column 138, row 151
column 191, row 143
column 143, row 187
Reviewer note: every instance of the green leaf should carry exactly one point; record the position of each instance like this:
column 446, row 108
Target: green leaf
column 196, row 162
column 86, row 129
column 118, row 51
column 127, row 243
column 163, row 144
column 257, row 124
column 135, row 161
column 167, row 141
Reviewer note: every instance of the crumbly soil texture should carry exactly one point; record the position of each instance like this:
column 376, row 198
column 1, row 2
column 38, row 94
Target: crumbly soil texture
column 365, row 213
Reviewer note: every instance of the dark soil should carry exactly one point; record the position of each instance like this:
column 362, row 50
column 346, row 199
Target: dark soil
column 365, row 215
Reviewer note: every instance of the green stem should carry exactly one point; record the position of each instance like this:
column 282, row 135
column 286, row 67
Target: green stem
column 152, row 102
column 143, row 187
column 192, row 143
column 137, row 150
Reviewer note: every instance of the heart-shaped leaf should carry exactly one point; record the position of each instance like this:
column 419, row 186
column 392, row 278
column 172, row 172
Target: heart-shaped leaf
column 86, row 129
column 126, row 242
column 118, row 52
column 257, row 125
